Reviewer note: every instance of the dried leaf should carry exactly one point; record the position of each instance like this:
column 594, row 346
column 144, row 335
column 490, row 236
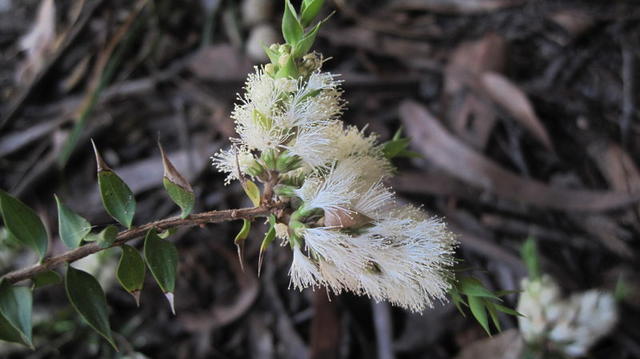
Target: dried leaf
column 39, row 43
column 515, row 101
column 449, row 153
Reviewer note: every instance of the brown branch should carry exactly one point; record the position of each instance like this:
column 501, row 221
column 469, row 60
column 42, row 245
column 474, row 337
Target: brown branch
column 136, row 232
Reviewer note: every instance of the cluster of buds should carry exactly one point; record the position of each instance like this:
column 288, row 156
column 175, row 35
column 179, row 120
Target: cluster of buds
column 344, row 226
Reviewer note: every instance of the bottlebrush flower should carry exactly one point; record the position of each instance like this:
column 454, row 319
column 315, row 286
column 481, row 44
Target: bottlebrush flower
column 345, row 228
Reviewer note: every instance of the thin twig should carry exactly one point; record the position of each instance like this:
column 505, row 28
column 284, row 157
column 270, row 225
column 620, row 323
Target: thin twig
column 136, row 232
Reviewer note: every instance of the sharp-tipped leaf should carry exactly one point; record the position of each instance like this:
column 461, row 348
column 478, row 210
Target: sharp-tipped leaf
column 23, row 224
column 72, row 227
column 162, row 259
column 292, row 30
column 177, row 186
column 304, row 45
column 253, row 192
column 116, row 196
column 309, row 11
column 15, row 308
column 131, row 271
column 86, row 296
column 474, row 288
column 476, row 305
column 493, row 313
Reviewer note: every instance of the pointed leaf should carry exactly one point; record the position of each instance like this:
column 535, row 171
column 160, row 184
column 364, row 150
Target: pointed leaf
column 304, row 45
column 177, row 186
column 474, row 288
column 239, row 240
column 131, row 271
column 15, row 308
column 253, row 192
column 116, row 196
column 46, row 278
column 86, row 296
column 72, row 228
column 23, row 224
column 476, row 305
column 266, row 242
column 507, row 310
column 493, row 313
column 162, row 259
column 292, row 30
column 309, row 11
column 529, row 254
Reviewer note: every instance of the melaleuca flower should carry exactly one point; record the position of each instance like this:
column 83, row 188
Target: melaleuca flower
column 345, row 227
column 571, row 325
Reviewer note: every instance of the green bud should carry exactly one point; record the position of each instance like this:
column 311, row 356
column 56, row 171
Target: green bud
column 269, row 158
column 285, row 191
column 287, row 162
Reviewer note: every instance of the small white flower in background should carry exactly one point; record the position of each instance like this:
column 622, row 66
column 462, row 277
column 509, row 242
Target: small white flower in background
column 573, row 325
column 345, row 229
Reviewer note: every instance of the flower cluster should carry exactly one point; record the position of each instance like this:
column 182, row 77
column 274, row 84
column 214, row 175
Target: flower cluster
column 345, row 227
column 571, row 326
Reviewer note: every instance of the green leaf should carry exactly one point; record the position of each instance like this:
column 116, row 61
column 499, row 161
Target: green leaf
column 105, row 238
column 304, row 45
column 479, row 312
column 116, row 196
column 239, row 240
column 131, row 271
column 177, row 186
column 46, row 278
column 167, row 232
column 529, row 254
column 184, row 198
column 72, row 228
column 291, row 28
column 266, row 242
column 23, row 224
column 309, row 11
column 493, row 313
column 162, row 259
column 507, row 310
column 474, row 288
column 252, row 191
column 86, row 296
column 15, row 307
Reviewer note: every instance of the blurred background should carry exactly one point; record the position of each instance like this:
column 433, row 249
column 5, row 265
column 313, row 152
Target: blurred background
column 524, row 113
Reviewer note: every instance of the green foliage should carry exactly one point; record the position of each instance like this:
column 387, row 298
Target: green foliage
column 177, row 186
column 184, row 198
column 131, row 271
column 482, row 302
column 269, row 237
column 309, row 11
column 529, row 253
column 398, row 146
column 116, row 196
column 105, row 238
column 162, row 259
column 292, row 29
column 304, row 45
column 15, row 314
column 86, row 296
column 252, row 191
column 72, row 228
column 23, row 224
